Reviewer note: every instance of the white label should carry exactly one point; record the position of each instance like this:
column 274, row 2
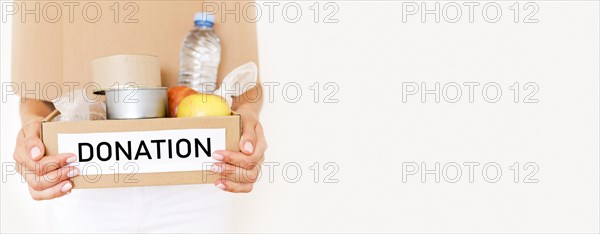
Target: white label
column 144, row 151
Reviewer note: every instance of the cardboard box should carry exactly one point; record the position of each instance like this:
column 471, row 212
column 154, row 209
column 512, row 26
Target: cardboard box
column 142, row 152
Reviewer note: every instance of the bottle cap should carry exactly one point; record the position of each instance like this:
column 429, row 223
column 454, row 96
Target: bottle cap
column 204, row 19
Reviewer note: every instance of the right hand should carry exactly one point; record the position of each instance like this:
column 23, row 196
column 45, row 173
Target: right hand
column 47, row 176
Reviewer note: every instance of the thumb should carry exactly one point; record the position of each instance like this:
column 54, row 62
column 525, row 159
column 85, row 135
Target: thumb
column 33, row 143
column 248, row 140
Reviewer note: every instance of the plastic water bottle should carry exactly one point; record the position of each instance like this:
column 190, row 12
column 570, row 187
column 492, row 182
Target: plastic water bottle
column 200, row 55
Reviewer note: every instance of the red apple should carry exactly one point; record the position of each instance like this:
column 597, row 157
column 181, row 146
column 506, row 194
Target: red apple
column 175, row 95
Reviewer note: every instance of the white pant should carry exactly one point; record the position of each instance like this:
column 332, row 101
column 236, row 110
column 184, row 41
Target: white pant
column 181, row 208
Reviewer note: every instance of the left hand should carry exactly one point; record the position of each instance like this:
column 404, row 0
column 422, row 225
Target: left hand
column 240, row 170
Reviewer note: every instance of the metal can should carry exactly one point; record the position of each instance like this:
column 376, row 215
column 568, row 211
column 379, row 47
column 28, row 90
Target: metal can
column 136, row 102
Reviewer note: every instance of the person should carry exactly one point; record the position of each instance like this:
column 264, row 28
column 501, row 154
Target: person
column 47, row 52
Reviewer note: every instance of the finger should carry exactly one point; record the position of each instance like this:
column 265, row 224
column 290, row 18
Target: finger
column 30, row 148
column 236, row 174
column 248, row 139
column 33, row 144
column 55, row 191
column 47, row 163
column 238, row 159
column 50, row 179
column 234, row 187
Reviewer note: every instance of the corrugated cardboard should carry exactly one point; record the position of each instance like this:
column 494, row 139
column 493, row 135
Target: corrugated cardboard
column 50, row 130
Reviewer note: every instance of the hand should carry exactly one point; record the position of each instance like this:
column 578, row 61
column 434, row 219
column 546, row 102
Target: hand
column 47, row 176
column 240, row 170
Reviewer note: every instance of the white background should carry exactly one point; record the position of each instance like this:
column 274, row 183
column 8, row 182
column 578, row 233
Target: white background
column 370, row 132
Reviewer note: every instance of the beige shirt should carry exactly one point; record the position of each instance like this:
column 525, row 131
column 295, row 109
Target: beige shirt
column 62, row 51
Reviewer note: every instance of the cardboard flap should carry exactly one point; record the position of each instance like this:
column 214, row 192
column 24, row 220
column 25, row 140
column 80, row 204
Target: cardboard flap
column 51, row 116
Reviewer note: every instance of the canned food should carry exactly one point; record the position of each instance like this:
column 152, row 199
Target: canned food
column 136, row 102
